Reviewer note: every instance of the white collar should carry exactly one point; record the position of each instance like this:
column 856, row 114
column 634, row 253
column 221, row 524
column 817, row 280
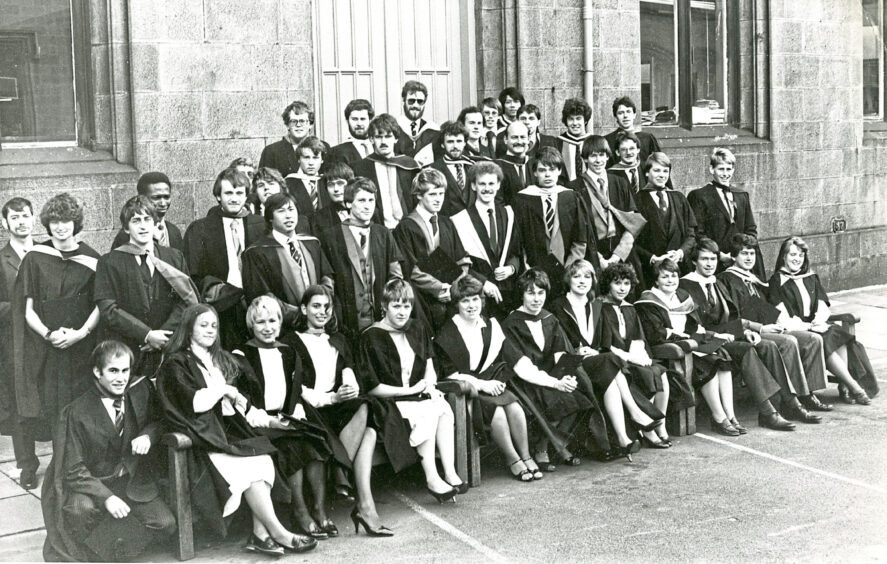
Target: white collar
column 597, row 177
column 661, row 295
column 20, row 249
column 534, row 190
column 482, row 207
column 424, row 214
column 700, row 279
column 281, row 238
column 462, row 324
column 575, row 302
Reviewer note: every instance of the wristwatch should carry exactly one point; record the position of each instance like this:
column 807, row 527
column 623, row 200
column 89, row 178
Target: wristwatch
column 47, row 334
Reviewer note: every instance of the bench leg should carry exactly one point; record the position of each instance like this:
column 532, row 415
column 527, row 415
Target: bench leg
column 460, row 414
column 180, row 494
column 473, row 456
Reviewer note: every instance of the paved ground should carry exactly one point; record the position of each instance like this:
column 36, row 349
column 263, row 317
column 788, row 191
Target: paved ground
column 817, row 494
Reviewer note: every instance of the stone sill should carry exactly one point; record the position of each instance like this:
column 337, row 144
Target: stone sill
column 874, row 132
column 47, row 163
column 705, row 136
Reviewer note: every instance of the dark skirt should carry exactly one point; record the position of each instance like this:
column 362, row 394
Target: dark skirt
column 602, row 370
column 394, row 433
column 489, row 404
column 648, row 379
column 835, row 338
column 298, row 447
column 338, row 415
column 706, row 367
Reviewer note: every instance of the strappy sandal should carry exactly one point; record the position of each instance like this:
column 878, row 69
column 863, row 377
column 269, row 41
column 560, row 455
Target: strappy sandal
column 545, row 465
column 524, row 475
column 537, row 473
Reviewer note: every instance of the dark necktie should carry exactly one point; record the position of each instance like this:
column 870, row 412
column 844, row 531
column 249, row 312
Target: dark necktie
column 663, row 206
column 549, row 214
column 491, row 143
column 494, row 234
column 145, row 269
column 731, row 206
column 363, row 242
column 602, row 187
column 433, row 221
column 523, row 175
column 118, row 415
column 312, row 189
column 294, row 252
column 580, row 164
column 712, row 297
column 460, row 176
column 633, row 179
column 414, row 129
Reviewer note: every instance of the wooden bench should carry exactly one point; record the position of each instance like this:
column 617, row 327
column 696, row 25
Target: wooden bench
column 679, row 422
column 467, row 454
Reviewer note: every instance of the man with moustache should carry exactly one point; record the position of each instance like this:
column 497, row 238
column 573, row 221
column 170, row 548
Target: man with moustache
column 18, row 220
column 514, row 165
column 416, row 133
column 282, row 155
column 157, row 188
column 358, row 114
column 454, row 166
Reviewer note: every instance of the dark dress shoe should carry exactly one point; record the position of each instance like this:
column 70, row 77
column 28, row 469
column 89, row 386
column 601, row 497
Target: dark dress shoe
column 268, row 546
column 736, row 425
column 28, row 479
column 775, row 421
column 313, row 530
column 724, row 427
column 802, row 415
column 462, row 488
column 860, row 398
column 301, row 543
column 813, row 403
column 330, row 528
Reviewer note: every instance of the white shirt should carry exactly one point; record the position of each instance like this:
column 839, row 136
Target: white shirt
column 357, row 231
column 275, row 378
column 472, row 337
column 149, row 250
column 285, row 243
column 363, row 146
column 583, row 319
column 483, row 212
column 406, row 354
column 235, row 277
column 324, row 357
column 19, row 249
column 425, row 215
column 109, row 407
column 392, row 212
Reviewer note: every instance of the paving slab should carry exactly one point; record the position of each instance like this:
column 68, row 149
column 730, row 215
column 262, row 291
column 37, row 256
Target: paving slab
column 21, row 513
column 22, row 547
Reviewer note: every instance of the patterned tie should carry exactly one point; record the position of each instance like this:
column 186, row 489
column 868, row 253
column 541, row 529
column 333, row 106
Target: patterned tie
column 633, row 178
column 433, row 221
column 460, row 176
column 363, row 242
column 118, row 415
column 712, row 297
column 580, row 164
column 663, row 202
column 312, row 189
column 235, row 236
column 494, row 234
column 549, row 214
column 731, row 206
column 294, row 252
column 414, row 128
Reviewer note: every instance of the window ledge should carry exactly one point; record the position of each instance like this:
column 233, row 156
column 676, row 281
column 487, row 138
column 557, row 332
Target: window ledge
column 704, row 136
column 874, row 130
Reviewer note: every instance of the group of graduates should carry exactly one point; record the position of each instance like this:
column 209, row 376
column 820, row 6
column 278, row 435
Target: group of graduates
column 323, row 307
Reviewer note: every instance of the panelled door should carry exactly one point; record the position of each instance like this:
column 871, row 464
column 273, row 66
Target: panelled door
column 369, row 48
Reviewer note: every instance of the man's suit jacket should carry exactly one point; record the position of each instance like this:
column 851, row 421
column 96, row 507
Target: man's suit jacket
column 367, row 169
column 280, row 155
column 541, row 140
column 658, row 237
column 512, row 183
column 344, row 153
column 173, row 232
column 454, row 198
column 649, row 145
column 713, row 219
column 263, row 271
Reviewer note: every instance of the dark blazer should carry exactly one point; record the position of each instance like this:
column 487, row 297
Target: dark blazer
column 281, row 155
column 297, row 189
column 542, row 140
column 174, row 233
column 367, row 169
column 713, row 220
column 454, row 202
column 344, row 153
column 511, row 181
column 130, row 309
column 204, row 243
column 657, row 238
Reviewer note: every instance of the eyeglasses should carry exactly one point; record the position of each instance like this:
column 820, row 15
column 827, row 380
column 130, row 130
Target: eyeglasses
column 415, row 101
column 299, row 122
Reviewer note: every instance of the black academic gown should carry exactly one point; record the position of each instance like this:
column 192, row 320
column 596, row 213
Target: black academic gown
column 207, row 259
column 87, row 456
column 353, row 289
column 456, row 199
column 713, row 221
column 281, row 155
column 516, row 176
column 173, row 232
column 675, row 231
column 262, row 269
column 47, row 378
column 345, row 153
column 130, row 309
column 649, row 145
column 9, row 265
column 299, row 191
column 407, row 168
column 415, row 243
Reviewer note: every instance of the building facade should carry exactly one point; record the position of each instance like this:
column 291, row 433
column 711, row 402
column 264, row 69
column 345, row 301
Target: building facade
column 94, row 91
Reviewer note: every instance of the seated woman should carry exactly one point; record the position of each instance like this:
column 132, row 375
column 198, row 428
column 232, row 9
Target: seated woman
column 622, row 334
column 397, row 359
column 560, row 399
column 270, row 384
column 199, row 401
column 324, row 366
column 796, row 290
column 580, row 318
column 668, row 314
column 801, row 350
column 470, row 347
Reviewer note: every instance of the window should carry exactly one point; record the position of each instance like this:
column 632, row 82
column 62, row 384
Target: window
column 685, row 63
column 873, row 59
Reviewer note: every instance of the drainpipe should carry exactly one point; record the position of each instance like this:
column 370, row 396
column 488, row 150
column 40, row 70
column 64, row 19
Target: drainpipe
column 517, row 54
column 588, row 71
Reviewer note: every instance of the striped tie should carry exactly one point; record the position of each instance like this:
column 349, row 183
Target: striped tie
column 312, row 189
column 118, row 415
column 549, row 214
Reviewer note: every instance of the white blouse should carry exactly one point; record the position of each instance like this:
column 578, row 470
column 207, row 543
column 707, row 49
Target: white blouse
column 275, row 378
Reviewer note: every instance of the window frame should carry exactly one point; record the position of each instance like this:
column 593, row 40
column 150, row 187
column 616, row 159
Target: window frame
column 877, row 122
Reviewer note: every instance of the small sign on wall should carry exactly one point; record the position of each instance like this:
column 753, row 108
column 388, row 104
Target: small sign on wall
column 839, row 224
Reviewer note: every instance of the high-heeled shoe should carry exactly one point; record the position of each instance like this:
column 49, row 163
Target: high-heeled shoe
column 445, row 496
column 629, row 449
column 653, row 424
column 534, row 468
column 860, row 398
column 328, row 527
column 358, row 520
column 461, row 488
column 653, row 444
column 313, row 530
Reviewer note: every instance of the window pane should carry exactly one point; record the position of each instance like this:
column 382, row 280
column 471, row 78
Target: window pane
column 36, row 71
column 872, row 58
column 708, row 61
column 658, row 63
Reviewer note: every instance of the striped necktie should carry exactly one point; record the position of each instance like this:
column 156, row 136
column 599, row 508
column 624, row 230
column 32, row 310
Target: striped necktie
column 549, row 214
column 118, row 415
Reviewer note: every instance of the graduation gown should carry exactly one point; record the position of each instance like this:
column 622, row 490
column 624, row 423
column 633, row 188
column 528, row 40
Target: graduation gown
column 281, row 156
column 406, row 167
column 570, row 149
column 713, row 220
column 649, row 145
column 516, row 176
column 380, row 364
column 61, row 287
column 179, row 379
column 310, row 439
column 207, row 259
column 760, row 365
column 549, row 408
column 426, row 136
column 130, row 309
column 456, row 199
column 263, row 269
column 415, row 241
column 785, row 294
column 346, row 153
column 359, row 285
column 571, row 234
column 485, row 260
column 326, row 217
column 173, row 233
column 9, row 265
column 90, row 458
column 662, row 234
column 451, row 356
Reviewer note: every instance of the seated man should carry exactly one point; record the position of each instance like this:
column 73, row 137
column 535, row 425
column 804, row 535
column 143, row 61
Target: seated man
column 454, row 166
column 358, row 114
column 101, row 499
column 157, row 187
